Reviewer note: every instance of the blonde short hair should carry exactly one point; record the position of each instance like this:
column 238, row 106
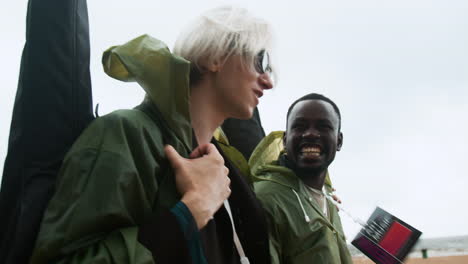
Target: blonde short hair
column 220, row 33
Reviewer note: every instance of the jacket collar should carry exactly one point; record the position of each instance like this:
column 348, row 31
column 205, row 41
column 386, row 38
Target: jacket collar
column 163, row 75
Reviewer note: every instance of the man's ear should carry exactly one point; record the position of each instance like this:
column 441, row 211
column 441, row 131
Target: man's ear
column 340, row 141
column 213, row 66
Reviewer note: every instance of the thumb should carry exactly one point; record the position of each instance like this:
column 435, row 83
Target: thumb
column 173, row 156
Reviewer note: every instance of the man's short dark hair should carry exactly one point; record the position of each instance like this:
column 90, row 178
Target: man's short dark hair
column 316, row 96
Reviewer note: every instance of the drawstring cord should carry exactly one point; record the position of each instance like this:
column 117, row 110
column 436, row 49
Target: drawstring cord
column 240, row 249
column 306, row 217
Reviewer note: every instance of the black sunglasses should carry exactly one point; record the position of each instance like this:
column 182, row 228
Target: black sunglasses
column 262, row 62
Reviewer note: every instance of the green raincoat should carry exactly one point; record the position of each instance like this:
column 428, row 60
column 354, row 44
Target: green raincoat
column 235, row 156
column 93, row 217
column 299, row 232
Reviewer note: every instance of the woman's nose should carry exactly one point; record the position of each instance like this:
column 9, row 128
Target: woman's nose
column 266, row 81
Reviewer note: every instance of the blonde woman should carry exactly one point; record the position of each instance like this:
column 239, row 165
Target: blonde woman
column 145, row 185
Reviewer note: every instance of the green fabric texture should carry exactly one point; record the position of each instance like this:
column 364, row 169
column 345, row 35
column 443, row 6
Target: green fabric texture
column 163, row 76
column 234, row 155
column 293, row 240
column 116, row 174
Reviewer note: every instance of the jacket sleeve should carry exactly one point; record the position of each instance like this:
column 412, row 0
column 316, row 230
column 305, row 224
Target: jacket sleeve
column 273, row 216
column 102, row 209
column 274, row 240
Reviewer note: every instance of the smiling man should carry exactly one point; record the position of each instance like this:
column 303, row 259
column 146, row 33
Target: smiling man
column 304, row 226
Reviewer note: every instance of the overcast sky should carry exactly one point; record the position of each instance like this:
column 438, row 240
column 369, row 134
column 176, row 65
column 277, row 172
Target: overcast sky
column 397, row 69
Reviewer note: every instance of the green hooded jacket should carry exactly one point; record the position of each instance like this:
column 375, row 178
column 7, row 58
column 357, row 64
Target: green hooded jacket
column 299, row 232
column 116, row 175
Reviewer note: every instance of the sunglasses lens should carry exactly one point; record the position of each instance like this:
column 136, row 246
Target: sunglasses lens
column 266, row 62
column 259, row 61
column 262, row 62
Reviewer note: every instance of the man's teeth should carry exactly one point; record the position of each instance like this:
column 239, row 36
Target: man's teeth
column 311, row 150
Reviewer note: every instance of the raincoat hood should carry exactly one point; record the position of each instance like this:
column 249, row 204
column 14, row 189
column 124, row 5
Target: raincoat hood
column 163, row 75
column 264, row 163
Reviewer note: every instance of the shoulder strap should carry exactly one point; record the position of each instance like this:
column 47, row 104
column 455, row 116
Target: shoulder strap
column 240, row 249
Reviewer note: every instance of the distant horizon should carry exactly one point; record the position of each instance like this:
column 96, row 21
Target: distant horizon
column 443, row 246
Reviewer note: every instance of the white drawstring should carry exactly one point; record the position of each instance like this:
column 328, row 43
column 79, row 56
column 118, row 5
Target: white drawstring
column 240, row 249
column 306, row 217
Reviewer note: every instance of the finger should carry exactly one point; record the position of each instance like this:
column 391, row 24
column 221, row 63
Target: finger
column 173, row 156
column 212, row 152
column 209, row 148
column 205, row 149
column 197, row 153
column 336, row 198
